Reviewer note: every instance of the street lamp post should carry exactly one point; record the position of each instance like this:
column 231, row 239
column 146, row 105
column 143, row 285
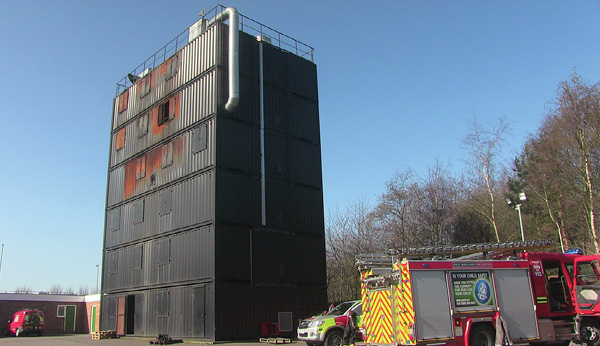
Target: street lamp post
column 97, row 276
column 511, row 203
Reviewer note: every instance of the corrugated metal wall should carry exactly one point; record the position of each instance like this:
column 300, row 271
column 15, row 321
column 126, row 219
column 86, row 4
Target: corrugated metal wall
column 159, row 236
column 184, row 243
column 183, row 311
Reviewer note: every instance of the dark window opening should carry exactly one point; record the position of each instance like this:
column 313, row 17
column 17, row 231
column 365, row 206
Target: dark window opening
column 165, row 112
column 130, row 315
column 556, row 286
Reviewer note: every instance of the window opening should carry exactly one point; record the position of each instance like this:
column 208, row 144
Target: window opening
column 556, row 286
column 60, row 311
column 163, row 112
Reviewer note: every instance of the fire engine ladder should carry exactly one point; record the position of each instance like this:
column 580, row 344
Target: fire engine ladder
column 456, row 252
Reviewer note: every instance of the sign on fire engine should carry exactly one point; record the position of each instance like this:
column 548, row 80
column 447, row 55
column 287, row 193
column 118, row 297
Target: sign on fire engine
column 472, row 290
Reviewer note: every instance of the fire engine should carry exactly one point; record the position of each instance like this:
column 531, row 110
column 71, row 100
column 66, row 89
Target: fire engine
column 480, row 295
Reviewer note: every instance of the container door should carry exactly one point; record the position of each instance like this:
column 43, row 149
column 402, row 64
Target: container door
column 516, row 302
column 121, row 315
column 199, row 312
column 93, row 327
column 140, row 308
column 587, row 280
column 70, row 312
column 432, row 306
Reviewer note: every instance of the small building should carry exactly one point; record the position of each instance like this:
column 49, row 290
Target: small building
column 64, row 313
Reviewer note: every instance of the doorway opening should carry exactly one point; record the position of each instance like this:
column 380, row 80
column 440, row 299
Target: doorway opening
column 130, row 315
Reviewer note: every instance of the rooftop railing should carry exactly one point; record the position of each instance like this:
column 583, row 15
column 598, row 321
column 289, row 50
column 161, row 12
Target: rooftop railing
column 247, row 25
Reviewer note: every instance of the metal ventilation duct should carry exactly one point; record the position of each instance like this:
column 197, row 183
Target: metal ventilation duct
column 233, row 57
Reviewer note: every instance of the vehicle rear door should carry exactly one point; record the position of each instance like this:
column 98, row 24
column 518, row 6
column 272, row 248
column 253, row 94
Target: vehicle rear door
column 586, row 278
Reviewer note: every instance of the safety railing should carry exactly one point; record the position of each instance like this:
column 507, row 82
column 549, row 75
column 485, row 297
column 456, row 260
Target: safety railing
column 247, row 25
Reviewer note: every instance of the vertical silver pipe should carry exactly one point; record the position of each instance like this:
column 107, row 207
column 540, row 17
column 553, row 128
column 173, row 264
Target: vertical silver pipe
column 262, row 137
column 233, row 55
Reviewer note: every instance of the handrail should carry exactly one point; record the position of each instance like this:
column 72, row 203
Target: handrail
column 247, row 25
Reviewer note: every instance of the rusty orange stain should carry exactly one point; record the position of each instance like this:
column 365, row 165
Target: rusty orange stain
column 120, row 139
column 177, row 146
column 153, row 159
column 130, row 182
column 123, row 100
column 150, row 163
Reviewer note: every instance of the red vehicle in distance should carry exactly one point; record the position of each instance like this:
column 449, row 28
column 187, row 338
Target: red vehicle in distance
column 25, row 322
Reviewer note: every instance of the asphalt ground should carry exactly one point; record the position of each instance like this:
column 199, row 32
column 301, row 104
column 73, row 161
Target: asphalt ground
column 86, row 339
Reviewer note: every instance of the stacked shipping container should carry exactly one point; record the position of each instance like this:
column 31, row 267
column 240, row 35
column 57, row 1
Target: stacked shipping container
column 186, row 250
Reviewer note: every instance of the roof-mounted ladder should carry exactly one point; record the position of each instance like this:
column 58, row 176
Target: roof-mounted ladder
column 448, row 251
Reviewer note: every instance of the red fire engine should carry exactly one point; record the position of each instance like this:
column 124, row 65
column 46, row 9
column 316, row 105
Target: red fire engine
column 480, row 295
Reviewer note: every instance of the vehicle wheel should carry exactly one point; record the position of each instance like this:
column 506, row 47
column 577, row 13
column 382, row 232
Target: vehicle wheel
column 590, row 332
column 18, row 332
column 334, row 338
column 482, row 335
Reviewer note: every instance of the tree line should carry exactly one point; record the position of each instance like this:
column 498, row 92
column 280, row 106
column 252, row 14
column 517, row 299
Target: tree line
column 558, row 170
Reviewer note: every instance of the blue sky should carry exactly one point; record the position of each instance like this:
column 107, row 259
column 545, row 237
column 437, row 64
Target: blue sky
column 398, row 81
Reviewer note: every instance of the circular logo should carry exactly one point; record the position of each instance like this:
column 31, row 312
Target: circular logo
column 482, row 291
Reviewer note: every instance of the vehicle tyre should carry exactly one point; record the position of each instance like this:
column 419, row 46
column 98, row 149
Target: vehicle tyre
column 18, row 332
column 590, row 332
column 334, row 338
column 482, row 335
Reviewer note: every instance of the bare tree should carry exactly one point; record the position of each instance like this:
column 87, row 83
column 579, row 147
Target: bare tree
column 23, row 289
column 418, row 211
column 56, row 289
column 483, row 145
column 347, row 234
column 83, row 290
column 392, row 215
